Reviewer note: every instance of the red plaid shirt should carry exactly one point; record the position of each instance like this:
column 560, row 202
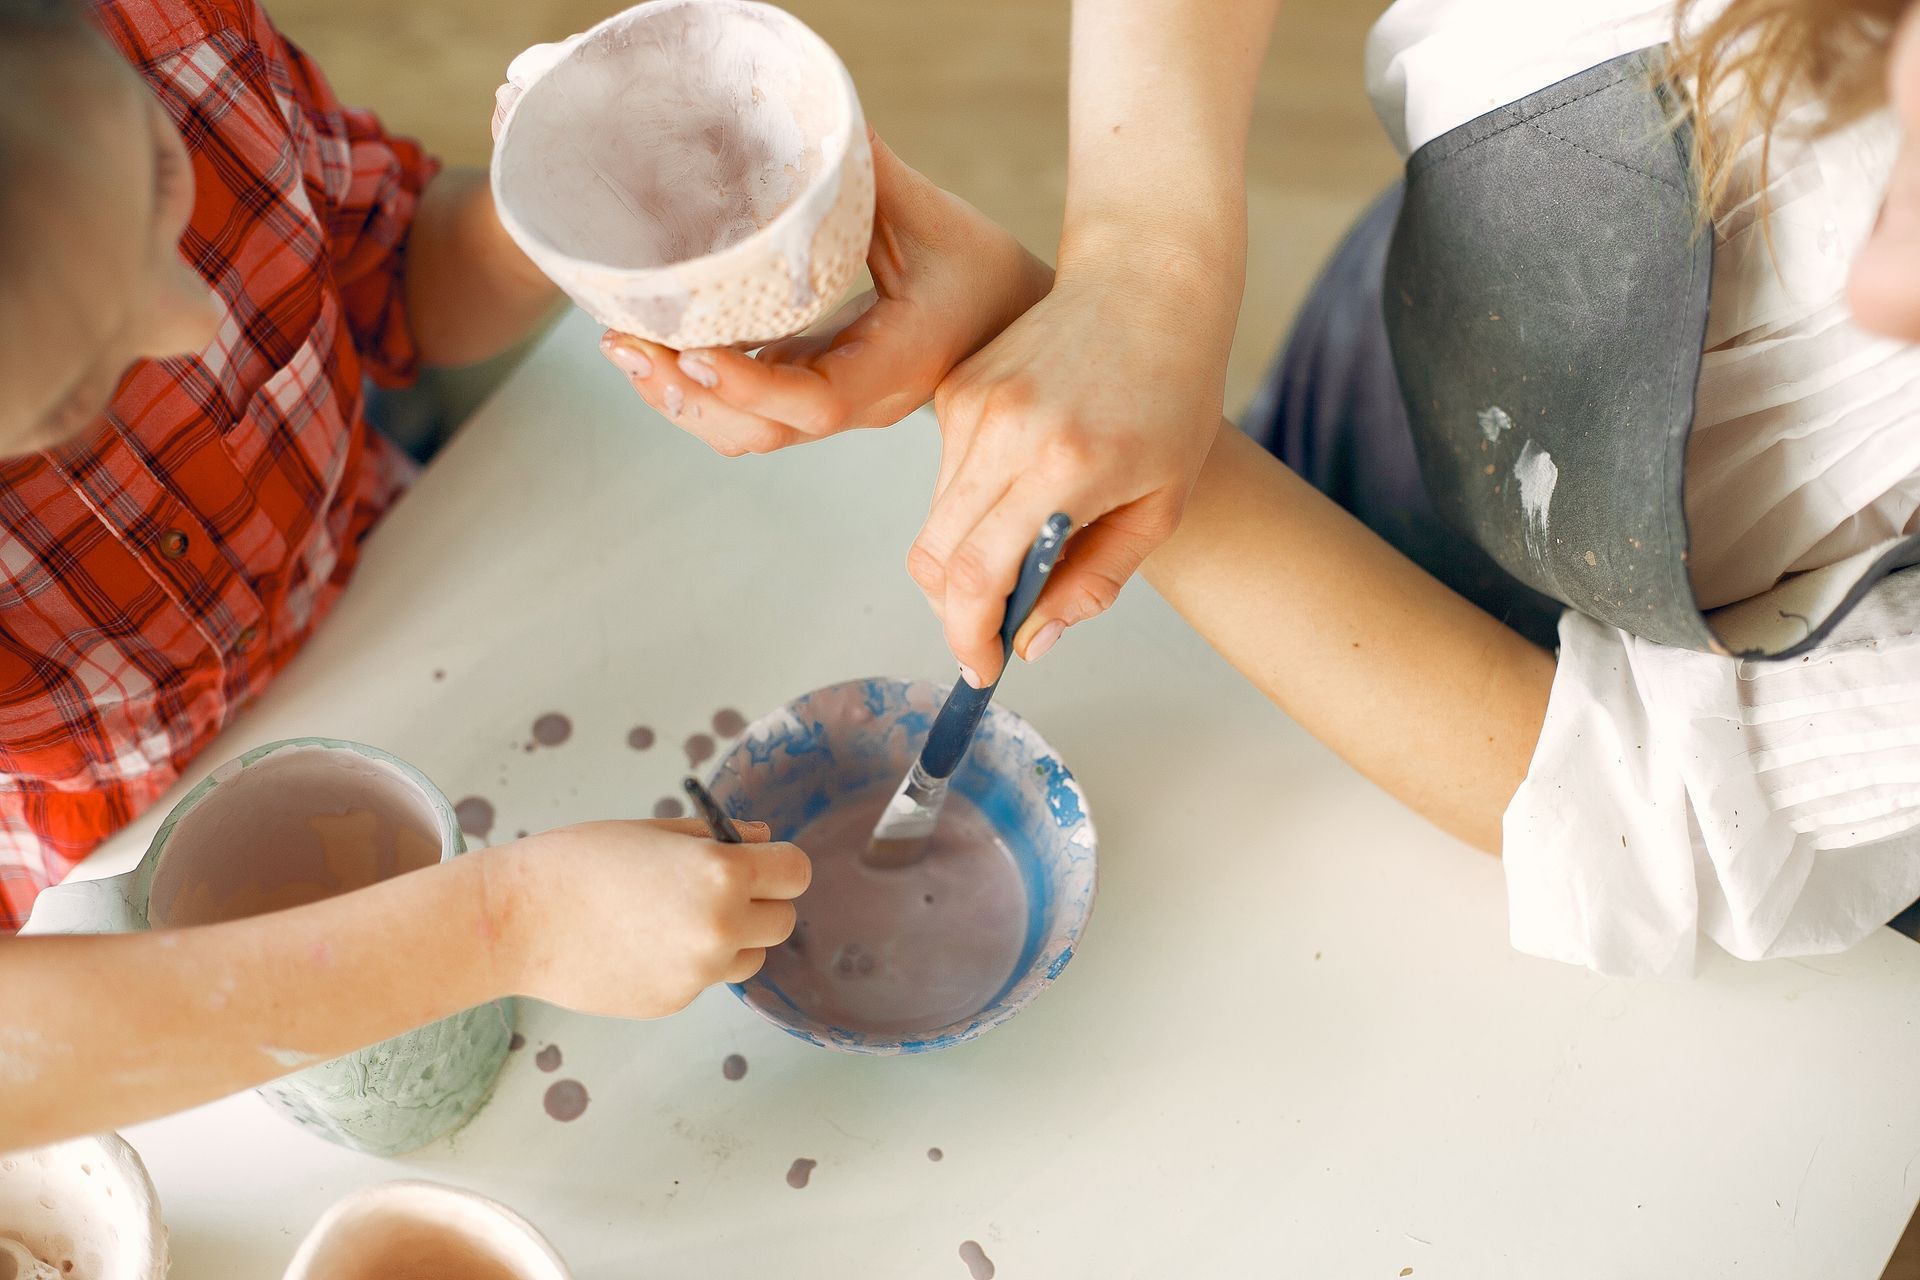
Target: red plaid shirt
column 155, row 576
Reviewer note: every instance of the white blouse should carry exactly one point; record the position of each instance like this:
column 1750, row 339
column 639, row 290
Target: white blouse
column 1770, row 807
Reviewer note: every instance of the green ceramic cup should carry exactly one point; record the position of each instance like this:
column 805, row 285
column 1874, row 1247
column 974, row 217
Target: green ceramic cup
column 288, row 823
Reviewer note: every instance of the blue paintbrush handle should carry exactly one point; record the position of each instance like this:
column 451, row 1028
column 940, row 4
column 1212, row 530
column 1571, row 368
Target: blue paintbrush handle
column 959, row 716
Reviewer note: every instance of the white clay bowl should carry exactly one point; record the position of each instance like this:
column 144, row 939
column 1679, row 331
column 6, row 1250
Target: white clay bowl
column 84, row 1209
column 408, row 1229
column 695, row 172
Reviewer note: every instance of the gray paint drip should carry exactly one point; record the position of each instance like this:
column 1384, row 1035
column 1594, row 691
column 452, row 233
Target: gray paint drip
column 734, row 1068
column 548, row 1059
column 935, row 1154
column 979, row 1265
column 640, row 737
column 699, row 750
column 668, row 807
column 727, row 723
column 799, row 1171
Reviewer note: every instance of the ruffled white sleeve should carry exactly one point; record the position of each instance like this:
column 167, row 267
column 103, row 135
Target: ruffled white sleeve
column 1772, row 808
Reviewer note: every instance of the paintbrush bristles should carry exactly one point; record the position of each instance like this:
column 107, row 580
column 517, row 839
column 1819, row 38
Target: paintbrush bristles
column 908, row 822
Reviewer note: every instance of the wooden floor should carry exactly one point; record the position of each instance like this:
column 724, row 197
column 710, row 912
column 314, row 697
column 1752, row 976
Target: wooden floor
column 971, row 92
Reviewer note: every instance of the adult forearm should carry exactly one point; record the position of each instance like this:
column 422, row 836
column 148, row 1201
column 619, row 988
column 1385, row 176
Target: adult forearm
column 1161, row 98
column 1431, row 698
column 471, row 293
column 101, row 1032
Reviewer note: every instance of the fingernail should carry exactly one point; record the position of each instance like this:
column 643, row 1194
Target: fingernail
column 1043, row 640
column 700, row 369
column 967, row 674
column 628, row 361
column 674, row 398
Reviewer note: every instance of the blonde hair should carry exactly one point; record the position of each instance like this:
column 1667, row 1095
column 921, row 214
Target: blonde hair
column 1766, row 52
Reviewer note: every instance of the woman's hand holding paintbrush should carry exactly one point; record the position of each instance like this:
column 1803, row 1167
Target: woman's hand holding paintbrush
column 911, row 816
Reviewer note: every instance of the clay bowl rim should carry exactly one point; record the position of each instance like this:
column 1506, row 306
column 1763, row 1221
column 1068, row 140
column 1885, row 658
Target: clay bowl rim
column 416, row 1190
column 836, row 147
column 453, row 843
column 1035, row 979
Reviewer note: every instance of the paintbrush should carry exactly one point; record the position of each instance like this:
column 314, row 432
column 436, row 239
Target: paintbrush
column 900, row 837
column 709, row 809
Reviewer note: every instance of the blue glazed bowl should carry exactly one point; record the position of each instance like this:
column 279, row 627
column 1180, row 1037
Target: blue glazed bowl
column 790, row 766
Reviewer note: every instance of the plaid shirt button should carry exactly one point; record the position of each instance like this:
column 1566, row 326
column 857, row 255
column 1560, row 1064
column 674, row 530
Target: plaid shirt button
column 173, row 544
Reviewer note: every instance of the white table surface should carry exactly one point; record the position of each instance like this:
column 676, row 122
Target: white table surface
column 1295, row 1042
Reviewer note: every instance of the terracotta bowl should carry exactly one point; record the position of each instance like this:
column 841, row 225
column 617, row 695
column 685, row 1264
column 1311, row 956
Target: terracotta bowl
column 695, row 172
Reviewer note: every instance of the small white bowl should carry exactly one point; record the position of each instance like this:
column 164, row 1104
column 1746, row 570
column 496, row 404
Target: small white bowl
column 439, row 1230
column 695, row 172
column 85, row 1208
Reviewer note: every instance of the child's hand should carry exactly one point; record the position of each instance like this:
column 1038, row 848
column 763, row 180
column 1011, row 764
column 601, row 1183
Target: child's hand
column 635, row 919
column 946, row 280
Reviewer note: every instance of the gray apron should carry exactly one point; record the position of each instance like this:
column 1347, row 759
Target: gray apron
column 1545, row 296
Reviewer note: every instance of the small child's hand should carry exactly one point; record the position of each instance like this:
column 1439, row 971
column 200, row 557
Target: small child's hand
column 634, row 919
column 946, row 280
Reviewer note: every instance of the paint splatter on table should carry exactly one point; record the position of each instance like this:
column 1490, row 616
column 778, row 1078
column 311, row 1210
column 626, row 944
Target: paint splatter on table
column 979, row 1265
column 475, row 816
column 566, row 1099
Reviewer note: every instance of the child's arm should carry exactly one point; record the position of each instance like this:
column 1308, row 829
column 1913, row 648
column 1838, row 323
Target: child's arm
column 630, row 919
column 471, row 292
column 1429, row 697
